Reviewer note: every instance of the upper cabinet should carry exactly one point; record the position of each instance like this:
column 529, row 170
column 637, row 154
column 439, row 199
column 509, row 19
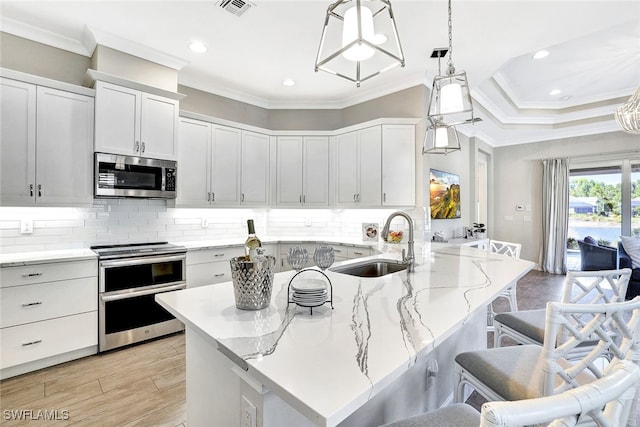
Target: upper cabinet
column 46, row 146
column 254, row 169
column 358, row 168
column 375, row 167
column 302, row 169
column 398, row 165
column 135, row 123
column 221, row 166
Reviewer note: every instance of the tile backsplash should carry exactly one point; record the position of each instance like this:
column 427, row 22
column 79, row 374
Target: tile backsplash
column 110, row 221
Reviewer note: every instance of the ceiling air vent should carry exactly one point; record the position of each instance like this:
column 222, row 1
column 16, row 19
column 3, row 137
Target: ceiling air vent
column 237, row 7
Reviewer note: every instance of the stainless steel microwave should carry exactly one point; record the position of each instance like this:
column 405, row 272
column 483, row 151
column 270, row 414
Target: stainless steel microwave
column 130, row 176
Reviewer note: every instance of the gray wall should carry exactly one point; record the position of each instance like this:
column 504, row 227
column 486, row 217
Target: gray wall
column 518, row 180
column 41, row 60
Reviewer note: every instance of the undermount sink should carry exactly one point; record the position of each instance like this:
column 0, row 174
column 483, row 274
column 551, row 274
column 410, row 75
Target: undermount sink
column 371, row 268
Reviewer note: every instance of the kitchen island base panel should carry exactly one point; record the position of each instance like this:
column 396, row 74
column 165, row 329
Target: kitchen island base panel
column 216, row 386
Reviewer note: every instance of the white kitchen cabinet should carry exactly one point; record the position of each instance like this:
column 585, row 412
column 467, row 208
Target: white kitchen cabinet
column 209, row 266
column 302, row 171
column 359, row 168
column 48, row 314
column 221, row 166
column 46, row 146
column 254, row 176
column 398, row 165
column 193, row 161
column 135, row 123
column 225, row 166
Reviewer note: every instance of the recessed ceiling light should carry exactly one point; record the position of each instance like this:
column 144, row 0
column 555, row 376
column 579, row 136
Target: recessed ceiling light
column 555, row 92
column 198, row 47
column 289, row 82
column 540, row 54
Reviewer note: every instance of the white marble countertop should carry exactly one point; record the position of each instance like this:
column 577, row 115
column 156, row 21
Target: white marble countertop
column 38, row 257
column 328, row 364
column 220, row 243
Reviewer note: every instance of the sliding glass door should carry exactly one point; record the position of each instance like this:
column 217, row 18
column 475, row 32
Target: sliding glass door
column 604, row 204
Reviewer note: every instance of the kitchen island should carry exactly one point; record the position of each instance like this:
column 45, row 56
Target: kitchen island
column 385, row 351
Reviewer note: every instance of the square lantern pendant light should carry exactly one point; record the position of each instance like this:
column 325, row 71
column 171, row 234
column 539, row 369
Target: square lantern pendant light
column 440, row 138
column 628, row 114
column 359, row 40
column 450, row 102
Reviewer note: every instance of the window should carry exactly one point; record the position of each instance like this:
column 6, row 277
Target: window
column 604, row 203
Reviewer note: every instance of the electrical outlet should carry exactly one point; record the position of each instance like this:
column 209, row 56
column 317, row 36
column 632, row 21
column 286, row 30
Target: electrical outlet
column 247, row 413
column 432, row 373
column 26, row 226
column 307, row 222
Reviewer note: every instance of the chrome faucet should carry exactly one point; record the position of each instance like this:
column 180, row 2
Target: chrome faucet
column 410, row 258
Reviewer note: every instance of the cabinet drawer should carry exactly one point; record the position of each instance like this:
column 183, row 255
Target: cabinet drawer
column 358, row 252
column 32, row 303
column 340, row 252
column 209, row 273
column 33, row 341
column 212, row 255
column 39, row 273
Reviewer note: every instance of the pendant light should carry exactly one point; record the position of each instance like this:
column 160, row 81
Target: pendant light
column 440, row 138
column 357, row 42
column 628, row 114
column 450, row 102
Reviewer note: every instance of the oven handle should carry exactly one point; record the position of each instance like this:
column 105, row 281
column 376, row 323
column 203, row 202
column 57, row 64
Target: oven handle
column 142, row 260
column 107, row 298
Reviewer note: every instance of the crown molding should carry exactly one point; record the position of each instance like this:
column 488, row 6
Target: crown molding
column 39, row 35
column 93, row 37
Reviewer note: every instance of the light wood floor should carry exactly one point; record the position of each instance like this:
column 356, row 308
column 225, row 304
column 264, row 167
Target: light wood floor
column 144, row 385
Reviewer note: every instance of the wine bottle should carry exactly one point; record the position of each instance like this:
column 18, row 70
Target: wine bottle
column 253, row 245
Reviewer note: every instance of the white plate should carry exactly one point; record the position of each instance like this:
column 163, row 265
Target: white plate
column 309, row 285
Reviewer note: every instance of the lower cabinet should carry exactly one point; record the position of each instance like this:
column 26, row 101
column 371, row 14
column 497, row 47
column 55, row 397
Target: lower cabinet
column 213, row 265
column 209, row 266
column 48, row 314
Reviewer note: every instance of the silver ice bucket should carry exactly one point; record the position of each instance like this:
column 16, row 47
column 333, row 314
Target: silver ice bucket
column 252, row 281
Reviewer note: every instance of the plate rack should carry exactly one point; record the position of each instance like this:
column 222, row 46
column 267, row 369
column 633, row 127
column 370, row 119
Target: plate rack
column 329, row 288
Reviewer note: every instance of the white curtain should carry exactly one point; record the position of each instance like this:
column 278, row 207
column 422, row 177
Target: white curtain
column 555, row 215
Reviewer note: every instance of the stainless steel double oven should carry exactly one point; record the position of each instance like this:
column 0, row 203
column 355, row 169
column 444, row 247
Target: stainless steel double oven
column 129, row 278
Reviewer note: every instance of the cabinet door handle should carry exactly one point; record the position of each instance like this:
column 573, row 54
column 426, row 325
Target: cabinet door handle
column 143, row 147
column 31, row 304
column 208, row 196
column 384, row 197
column 218, row 255
column 354, row 198
column 304, row 198
column 31, row 190
column 300, row 198
column 218, row 275
column 137, row 149
column 242, row 197
column 30, row 275
column 213, row 197
column 358, row 253
column 31, row 343
column 39, row 190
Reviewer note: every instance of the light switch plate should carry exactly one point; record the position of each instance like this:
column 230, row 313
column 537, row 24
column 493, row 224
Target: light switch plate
column 26, row 226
